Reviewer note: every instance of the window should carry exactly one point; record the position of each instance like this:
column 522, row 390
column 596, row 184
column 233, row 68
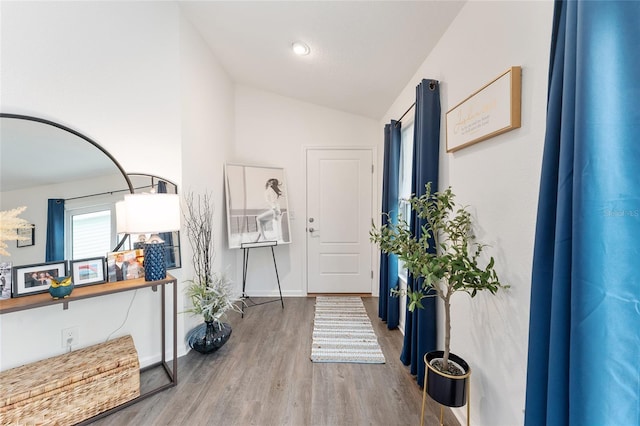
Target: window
column 404, row 182
column 89, row 232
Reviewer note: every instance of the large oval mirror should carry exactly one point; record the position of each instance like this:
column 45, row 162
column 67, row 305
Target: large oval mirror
column 67, row 182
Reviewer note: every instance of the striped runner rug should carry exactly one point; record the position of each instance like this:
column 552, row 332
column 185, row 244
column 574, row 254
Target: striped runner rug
column 342, row 332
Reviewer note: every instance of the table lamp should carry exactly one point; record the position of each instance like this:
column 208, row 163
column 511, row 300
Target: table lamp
column 150, row 214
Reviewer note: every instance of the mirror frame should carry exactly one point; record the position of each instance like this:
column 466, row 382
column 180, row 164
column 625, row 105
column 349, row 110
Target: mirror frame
column 85, row 138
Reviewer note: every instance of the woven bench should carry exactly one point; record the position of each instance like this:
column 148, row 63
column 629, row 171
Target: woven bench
column 70, row 388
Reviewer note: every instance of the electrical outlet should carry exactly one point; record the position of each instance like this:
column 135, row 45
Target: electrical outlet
column 70, row 337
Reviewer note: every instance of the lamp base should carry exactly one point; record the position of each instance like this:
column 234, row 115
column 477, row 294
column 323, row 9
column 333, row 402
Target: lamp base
column 155, row 268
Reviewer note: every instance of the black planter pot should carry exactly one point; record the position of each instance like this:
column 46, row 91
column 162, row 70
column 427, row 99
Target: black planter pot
column 209, row 337
column 444, row 388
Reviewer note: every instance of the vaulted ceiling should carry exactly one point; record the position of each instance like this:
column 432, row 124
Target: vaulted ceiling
column 363, row 53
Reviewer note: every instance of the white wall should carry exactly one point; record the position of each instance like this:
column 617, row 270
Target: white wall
column 273, row 130
column 499, row 178
column 111, row 71
column 207, row 138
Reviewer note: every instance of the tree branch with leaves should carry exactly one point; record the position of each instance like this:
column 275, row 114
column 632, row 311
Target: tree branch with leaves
column 446, row 255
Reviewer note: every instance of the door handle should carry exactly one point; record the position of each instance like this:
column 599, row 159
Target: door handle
column 312, row 229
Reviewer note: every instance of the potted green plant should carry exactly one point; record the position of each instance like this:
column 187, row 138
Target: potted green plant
column 446, row 257
column 212, row 295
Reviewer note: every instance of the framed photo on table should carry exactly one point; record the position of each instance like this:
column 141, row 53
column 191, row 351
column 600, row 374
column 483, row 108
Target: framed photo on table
column 5, row 280
column 33, row 279
column 88, row 271
column 125, row 265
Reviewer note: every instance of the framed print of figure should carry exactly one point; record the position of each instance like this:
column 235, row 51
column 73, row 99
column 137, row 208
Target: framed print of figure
column 257, row 206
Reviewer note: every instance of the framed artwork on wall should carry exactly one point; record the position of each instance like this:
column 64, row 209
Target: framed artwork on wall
column 257, row 206
column 29, row 236
column 490, row 111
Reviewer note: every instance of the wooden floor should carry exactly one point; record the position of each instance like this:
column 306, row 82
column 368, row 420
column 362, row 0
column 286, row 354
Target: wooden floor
column 263, row 376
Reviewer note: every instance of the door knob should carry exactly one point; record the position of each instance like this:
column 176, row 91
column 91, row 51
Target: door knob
column 312, row 229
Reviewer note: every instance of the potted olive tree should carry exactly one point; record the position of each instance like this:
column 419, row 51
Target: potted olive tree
column 211, row 293
column 446, row 257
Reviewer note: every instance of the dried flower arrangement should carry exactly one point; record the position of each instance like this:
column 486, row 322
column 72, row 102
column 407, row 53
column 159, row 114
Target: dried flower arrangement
column 10, row 223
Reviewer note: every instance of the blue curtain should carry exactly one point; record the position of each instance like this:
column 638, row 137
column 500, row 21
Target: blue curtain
column 389, row 307
column 55, row 230
column 167, row 237
column 420, row 326
column 584, row 332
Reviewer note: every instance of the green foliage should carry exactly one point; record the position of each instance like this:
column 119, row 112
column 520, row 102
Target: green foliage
column 446, row 255
column 211, row 297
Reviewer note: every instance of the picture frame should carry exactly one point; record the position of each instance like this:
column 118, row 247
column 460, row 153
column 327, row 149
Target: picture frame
column 125, row 265
column 29, row 234
column 88, row 271
column 172, row 252
column 490, row 111
column 5, row 280
column 36, row 278
column 257, row 206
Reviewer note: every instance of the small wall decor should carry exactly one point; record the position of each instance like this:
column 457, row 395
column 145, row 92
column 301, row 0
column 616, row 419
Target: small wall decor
column 87, row 271
column 257, row 206
column 125, row 265
column 32, row 279
column 29, row 236
column 492, row 110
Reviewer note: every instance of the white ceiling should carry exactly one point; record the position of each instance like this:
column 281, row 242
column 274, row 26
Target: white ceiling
column 363, row 53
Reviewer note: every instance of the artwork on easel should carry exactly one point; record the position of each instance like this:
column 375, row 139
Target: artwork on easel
column 257, row 206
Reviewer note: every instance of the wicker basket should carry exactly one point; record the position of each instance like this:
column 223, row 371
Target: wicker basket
column 73, row 387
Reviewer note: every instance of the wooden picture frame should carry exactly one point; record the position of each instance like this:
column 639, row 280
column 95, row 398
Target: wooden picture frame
column 88, row 271
column 125, row 265
column 257, row 206
column 492, row 110
column 36, row 278
column 172, row 250
column 29, row 234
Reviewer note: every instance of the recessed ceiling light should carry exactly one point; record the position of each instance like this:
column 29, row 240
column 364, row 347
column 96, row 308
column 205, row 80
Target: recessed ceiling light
column 300, row 48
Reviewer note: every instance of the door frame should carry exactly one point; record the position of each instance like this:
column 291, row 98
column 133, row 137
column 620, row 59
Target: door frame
column 374, row 202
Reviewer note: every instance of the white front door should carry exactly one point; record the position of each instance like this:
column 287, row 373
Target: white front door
column 339, row 212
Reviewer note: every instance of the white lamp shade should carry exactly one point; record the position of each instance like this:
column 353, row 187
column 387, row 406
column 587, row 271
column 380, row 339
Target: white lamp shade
column 151, row 213
column 121, row 217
